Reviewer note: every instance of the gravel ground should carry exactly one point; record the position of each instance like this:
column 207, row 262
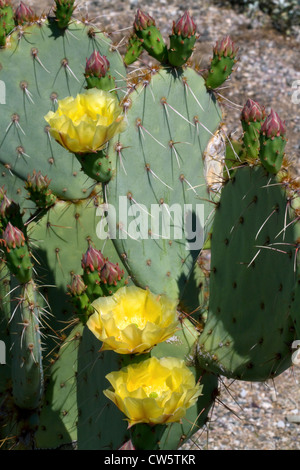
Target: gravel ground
column 246, row 415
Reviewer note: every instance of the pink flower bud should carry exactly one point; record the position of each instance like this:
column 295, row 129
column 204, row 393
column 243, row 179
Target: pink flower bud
column 77, row 286
column 143, row 21
column 97, row 65
column 253, row 112
column 111, row 273
column 2, row 192
column 185, row 26
column 24, row 14
column 273, row 126
column 92, row 260
column 13, row 237
column 226, row 48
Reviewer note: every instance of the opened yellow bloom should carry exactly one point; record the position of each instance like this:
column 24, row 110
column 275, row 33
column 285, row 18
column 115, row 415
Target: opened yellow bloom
column 86, row 123
column 133, row 320
column 155, row 391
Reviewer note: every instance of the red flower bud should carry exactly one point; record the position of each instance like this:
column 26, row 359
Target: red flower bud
column 97, row 65
column 253, row 112
column 92, row 260
column 226, row 48
column 13, row 237
column 128, row 445
column 143, row 21
column 185, row 26
column 273, row 126
column 111, row 273
column 24, row 14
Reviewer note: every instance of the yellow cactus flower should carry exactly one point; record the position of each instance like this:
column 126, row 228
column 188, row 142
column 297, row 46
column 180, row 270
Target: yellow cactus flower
column 155, row 391
column 86, row 123
column 133, row 320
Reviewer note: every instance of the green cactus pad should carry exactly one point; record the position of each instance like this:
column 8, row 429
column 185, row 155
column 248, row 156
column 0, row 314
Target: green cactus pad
column 26, row 351
column 159, row 165
column 249, row 330
column 37, row 73
column 146, row 437
column 4, row 331
column 195, row 294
